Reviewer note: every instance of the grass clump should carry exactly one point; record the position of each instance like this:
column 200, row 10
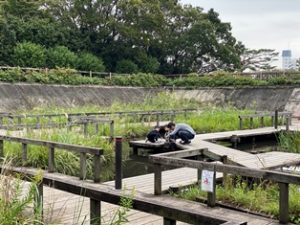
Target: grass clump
column 17, row 207
column 289, row 141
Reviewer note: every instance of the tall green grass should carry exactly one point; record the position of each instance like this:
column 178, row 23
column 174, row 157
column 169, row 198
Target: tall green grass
column 289, row 142
column 15, row 204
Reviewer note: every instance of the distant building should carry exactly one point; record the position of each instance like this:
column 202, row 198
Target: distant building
column 288, row 63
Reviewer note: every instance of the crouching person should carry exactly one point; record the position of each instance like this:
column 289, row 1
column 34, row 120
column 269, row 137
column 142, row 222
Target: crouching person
column 181, row 130
column 155, row 134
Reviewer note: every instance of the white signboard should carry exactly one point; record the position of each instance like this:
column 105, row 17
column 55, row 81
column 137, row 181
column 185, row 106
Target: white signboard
column 207, row 181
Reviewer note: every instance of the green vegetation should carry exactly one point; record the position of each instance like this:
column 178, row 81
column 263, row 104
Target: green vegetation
column 72, row 77
column 14, row 204
column 129, row 36
column 289, row 142
column 262, row 198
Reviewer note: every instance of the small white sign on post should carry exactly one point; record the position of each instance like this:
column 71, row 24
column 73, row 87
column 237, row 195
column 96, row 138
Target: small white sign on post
column 207, row 181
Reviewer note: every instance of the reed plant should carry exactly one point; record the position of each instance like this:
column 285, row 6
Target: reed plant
column 16, row 205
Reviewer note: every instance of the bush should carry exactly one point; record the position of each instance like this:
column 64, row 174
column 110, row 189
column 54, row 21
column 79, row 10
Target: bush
column 126, row 66
column 61, row 56
column 27, row 54
column 90, row 62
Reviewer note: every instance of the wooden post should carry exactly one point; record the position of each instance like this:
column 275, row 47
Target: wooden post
column 24, row 153
column 97, row 168
column 135, row 150
column 82, row 172
column 38, row 122
column 118, row 163
column 10, row 121
column 157, row 179
column 85, row 130
column 251, row 122
column 287, row 123
column 112, row 130
column 262, row 124
column 97, row 128
column 168, row 221
column 241, row 123
column 51, row 163
column 95, row 212
column 1, row 122
column 199, row 171
column 211, row 196
column 225, row 176
column 157, row 120
column 276, row 119
column 283, row 203
column 1, row 148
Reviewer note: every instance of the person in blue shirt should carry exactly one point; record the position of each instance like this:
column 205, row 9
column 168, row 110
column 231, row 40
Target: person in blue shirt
column 181, row 130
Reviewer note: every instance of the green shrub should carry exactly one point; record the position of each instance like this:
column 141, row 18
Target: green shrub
column 27, row 54
column 126, row 66
column 61, row 56
column 89, row 62
column 13, row 75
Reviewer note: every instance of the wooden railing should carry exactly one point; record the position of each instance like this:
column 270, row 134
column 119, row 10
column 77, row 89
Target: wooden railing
column 176, row 159
column 277, row 118
column 11, row 121
column 171, row 211
column 82, row 150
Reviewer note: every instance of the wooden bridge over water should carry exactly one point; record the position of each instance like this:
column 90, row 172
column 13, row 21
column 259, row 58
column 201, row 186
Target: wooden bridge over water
column 72, row 201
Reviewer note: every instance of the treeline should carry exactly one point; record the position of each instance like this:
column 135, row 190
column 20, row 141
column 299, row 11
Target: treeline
column 124, row 36
column 72, row 77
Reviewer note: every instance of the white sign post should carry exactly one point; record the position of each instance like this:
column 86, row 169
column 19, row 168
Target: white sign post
column 207, row 181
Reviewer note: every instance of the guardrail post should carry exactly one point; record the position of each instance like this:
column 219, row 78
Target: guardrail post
column 276, row 119
column 118, row 163
column 211, row 196
column 224, row 160
column 157, row 179
column 97, row 167
column 24, row 153
column 95, row 212
column 169, row 221
column 51, row 164
column 112, row 130
column 1, row 122
column 82, row 172
column 1, row 148
column 283, row 203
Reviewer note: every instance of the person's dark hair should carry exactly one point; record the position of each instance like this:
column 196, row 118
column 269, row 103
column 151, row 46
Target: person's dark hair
column 170, row 125
column 162, row 131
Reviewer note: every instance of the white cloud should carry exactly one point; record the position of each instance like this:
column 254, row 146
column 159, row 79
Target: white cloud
column 260, row 23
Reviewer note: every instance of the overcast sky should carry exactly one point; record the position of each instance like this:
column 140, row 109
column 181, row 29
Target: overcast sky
column 271, row 24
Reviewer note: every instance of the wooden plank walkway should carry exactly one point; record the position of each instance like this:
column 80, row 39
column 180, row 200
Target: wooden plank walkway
column 65, row 208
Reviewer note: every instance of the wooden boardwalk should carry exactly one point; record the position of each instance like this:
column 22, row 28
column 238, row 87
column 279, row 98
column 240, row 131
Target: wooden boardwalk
column 65, row 208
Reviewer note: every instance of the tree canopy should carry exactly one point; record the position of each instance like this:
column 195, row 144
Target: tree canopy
column 158, row 36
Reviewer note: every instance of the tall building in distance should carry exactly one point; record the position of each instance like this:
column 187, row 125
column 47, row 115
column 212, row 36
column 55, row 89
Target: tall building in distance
column 288, row 63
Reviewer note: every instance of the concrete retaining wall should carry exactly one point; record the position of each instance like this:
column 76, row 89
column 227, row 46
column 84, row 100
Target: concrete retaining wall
column 27, row 96
column 259, row 98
